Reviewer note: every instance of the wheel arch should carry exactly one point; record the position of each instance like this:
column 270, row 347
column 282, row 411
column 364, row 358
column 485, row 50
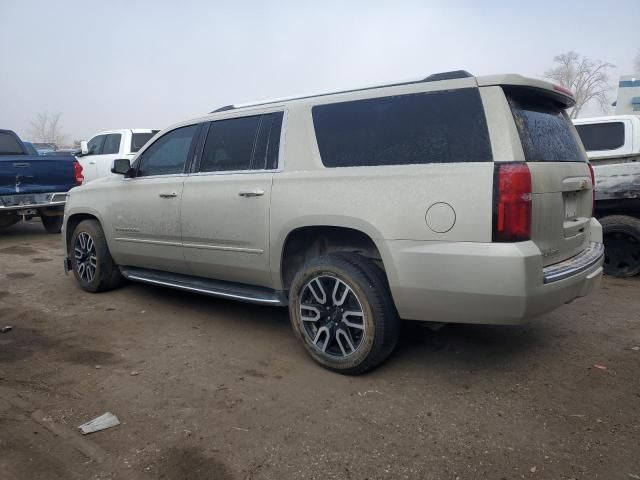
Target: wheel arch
column 72, row 221
column 308, row 239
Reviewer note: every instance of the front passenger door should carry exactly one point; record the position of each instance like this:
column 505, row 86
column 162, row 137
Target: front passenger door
column 145, row 209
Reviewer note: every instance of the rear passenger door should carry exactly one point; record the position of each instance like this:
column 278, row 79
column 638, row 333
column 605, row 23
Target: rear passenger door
column 226, row 200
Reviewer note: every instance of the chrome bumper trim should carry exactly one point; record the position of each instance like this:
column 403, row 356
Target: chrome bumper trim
column 574, row 265
column 32, row 200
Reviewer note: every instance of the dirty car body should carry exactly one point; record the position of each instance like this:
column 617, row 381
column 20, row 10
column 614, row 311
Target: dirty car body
column 456, row 198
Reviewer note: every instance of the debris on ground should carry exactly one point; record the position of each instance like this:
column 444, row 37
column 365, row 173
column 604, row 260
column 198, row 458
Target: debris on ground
column 635, row 348
column 104, row 421
column 6, row 328
column 134, row 373
column 600, row 367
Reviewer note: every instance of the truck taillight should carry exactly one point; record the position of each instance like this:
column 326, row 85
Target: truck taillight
column 512, row 202
column 77, row 170
column 593, row 191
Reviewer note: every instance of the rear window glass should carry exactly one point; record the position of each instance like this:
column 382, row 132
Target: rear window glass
column 9, row 145
column 139, row 140
column 545, row 131
column 435, row 127
column 601, row 136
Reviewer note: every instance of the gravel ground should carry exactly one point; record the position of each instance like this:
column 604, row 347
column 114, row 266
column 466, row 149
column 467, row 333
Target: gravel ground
column 210, row 389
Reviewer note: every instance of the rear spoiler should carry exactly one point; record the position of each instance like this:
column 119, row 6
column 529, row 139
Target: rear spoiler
column 562, row 95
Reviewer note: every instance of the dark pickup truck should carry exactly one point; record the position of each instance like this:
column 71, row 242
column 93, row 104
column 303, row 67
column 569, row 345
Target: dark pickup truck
column 34, row 185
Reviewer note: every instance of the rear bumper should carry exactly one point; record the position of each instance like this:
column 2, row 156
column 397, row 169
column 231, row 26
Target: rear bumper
column 31, row 201
column 486, row 283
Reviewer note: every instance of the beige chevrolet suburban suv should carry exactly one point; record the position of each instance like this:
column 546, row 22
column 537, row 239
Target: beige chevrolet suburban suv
column 448, row 199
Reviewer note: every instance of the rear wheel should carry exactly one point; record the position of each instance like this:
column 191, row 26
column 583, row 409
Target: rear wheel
column 7, row 220
column 341, row 309
column 91, row 261
column 52, row 224
column 621, row 245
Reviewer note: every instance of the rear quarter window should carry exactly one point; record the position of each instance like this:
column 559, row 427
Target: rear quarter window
column 601, row 136
column 434, row 127
column 546, row 133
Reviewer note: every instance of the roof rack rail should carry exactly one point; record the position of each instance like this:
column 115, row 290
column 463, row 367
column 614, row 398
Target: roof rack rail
column 223, row 109
column 455, row 74
column 452, row 75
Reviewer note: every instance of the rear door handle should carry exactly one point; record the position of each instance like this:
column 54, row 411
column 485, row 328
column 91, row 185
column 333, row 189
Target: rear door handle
column 168, row 195
column 251, row 193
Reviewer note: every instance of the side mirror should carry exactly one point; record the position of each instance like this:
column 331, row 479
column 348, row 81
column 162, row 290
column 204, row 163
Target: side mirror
column 121, row 166
column 84, row 148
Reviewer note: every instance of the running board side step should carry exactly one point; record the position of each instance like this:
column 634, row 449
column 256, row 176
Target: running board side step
column 205, row 286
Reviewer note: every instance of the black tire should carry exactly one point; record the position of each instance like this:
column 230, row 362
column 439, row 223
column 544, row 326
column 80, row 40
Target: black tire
column 7, row 220
column 621, row 245
column 106, row 275
column 52, row 224
column 374, row 336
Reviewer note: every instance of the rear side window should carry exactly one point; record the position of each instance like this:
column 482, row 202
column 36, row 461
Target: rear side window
column 265, row 153
column 546, row 133
column 111, row 143
column 9, row 144
column 602, row 136
column 138, row 140
column 435, row 127
column 243, row 143
column 169, row 154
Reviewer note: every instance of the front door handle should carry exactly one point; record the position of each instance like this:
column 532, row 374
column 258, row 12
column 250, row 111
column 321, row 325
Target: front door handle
column 168, row 195
column 251, row 193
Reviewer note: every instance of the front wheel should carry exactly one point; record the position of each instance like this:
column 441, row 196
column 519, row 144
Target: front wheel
column 91, row 260
column 341, row 309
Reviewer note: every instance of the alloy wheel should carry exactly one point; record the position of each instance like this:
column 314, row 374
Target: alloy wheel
column 331, row 316
column 85, row 255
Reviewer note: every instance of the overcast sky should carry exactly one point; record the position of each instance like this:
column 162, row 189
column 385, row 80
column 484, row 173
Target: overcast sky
column 147, row 64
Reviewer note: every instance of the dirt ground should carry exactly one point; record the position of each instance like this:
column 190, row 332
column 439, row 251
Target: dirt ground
column 211, row 389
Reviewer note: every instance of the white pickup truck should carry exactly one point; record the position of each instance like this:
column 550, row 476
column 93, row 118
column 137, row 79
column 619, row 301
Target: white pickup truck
column 98, row 154
column 613, row 146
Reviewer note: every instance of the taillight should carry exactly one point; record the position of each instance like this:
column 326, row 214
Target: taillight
column 77, row 171
column 512, row 203
column 593, row 190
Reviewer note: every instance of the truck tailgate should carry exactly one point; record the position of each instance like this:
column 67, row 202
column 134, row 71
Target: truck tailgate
column 36, row 174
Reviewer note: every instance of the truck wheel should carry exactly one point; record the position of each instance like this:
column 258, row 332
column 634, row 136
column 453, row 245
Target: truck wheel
column 7, row 220
column 341, row 309
column 91, row 261
column 52, row 224
column 621, row 245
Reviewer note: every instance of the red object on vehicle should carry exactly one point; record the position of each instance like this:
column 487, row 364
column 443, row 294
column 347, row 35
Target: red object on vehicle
column 512, row 203
column 561, row 89
column 77, row 170
column 593, row 191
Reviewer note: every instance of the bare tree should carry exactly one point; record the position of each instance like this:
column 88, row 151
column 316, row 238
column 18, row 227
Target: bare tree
column 47, row 128
column 587, row 79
